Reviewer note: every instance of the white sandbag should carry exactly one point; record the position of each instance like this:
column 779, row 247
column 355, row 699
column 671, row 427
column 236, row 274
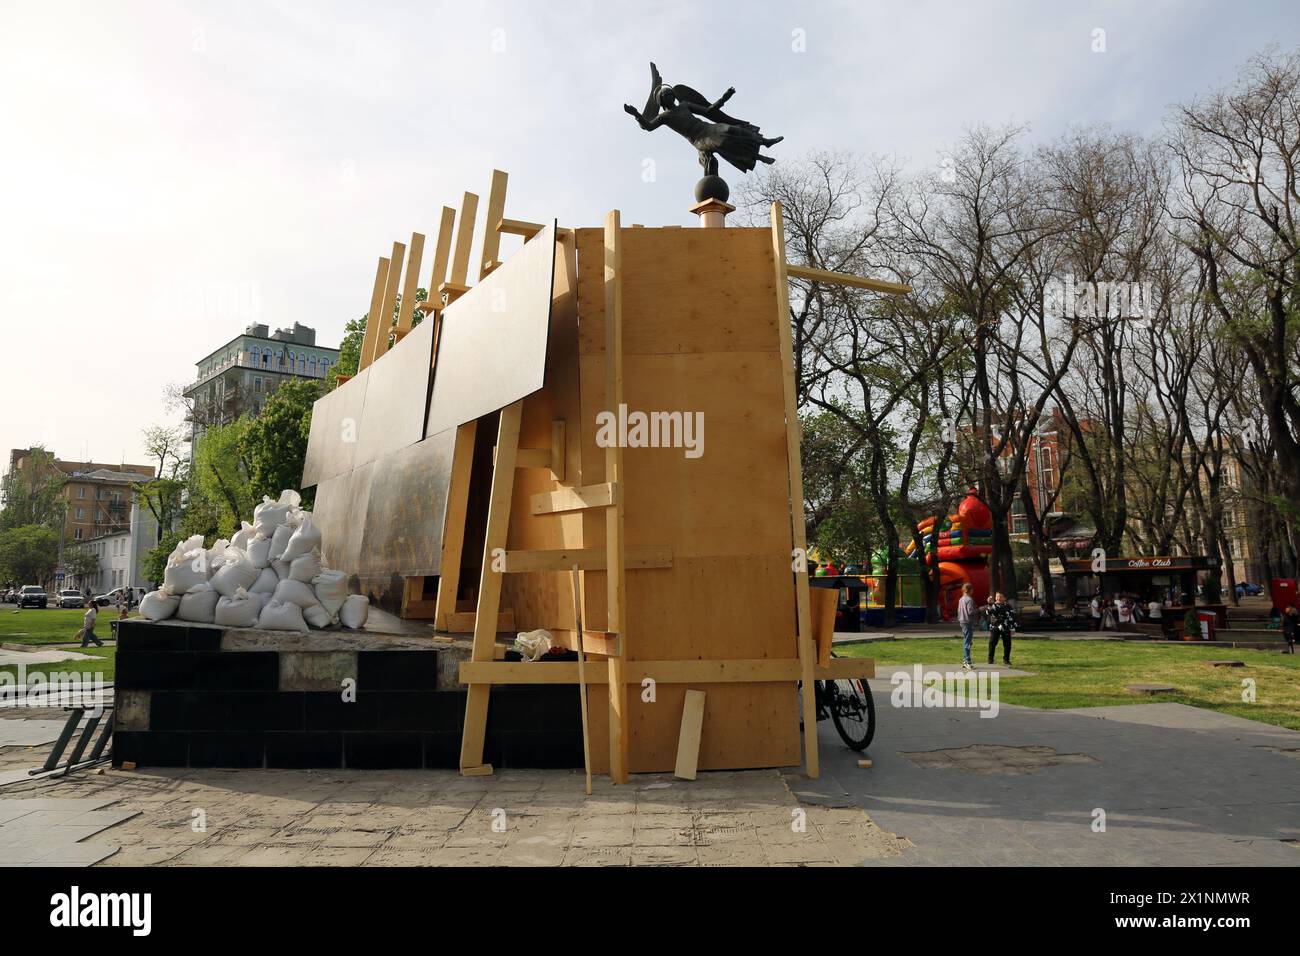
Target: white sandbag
column 259, row 552
column 235, row 574
column 244, row 535
column 217, row 556
column 269, row 515
column 295, row 592
column 331, row 589
column 533, row 644
column 188, row 573
column 266, row 583
column 199, row 604
column 355, row 610
column 317, row 616
column 281, row 616
column 238, row 610
column 306, row 539
column 280, row 541
column 305, row 568
column 281, row 569
column 181, row 553
column 159, row 605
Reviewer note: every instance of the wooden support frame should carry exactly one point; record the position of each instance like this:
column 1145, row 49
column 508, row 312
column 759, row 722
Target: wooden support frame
column 616, row 596
column 453, row 533
column 455, row 286
column 376, row 303
column 798, row 531
column 379, row 342
column 496, row 207
column 575, row 580
column 581, row 498
column 489, row 592
column 688, row 739
column 414, row 259
column 585, row 559
column 763, row 671
column 843, row 278
column 441, row 260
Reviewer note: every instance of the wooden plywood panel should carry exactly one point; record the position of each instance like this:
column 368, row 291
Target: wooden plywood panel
column 397, row 396
column 715, row 287
column 335, row 423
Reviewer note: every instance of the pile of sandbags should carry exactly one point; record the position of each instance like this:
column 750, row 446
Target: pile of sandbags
column 270, row 575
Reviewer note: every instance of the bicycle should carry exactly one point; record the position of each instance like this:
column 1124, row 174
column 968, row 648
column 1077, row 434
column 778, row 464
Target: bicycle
column 848, row 703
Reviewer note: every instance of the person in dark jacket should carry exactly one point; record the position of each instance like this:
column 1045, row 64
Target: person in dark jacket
column 1002, row 624
column 1290, row 627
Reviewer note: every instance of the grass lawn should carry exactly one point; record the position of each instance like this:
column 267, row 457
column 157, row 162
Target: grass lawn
column 57, row 626
column 1068, row 674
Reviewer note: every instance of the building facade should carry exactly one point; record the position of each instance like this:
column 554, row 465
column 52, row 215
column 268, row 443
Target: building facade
column 97, row 497
column 121, row 555
column 237, row 378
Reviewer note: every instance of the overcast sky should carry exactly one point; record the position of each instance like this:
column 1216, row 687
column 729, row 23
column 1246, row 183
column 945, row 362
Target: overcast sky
column 171, row 172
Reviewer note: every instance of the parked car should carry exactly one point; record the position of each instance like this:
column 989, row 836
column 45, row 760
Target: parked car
column 1254, row 590
column 110, row 599
column 10, row 596
column 71, row 599
column 33, row 595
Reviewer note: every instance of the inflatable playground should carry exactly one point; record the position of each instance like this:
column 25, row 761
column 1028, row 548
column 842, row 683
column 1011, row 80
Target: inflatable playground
column 960, row 543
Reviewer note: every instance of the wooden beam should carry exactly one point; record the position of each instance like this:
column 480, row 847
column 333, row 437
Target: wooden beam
column 453, row 532
column 489, row 590
column 798, row 531
column 619, row 721
column 688, row 739
column 466, row 622
column 574, row 499
column 534, row 458
column 558, row 467
column 491, row 237
column 441, row 259
column 760, row 671
column 407, row 309
column 517, row 227
column 582, row 673
column 587, row 559
column 379, row 344
column 372, row 323
column 602, row 643
column 464, row 238
column 843, row 278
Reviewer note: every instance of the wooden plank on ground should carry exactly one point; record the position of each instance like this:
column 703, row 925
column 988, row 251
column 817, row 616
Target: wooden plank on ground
column 688, row 742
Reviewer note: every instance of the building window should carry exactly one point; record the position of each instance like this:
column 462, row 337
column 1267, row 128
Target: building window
column 81, row 513
column 77, row 533
column 266, row 358
column 279, row 357
column 302, row 365
column 81, row 491
column 324, row 366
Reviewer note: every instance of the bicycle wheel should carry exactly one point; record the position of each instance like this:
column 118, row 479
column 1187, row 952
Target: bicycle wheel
column 853, row 711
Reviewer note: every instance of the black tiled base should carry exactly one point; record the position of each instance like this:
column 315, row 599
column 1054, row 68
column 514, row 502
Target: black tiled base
column 305, row 751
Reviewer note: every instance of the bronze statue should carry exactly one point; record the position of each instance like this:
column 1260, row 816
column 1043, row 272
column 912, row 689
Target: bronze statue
column 734, row 140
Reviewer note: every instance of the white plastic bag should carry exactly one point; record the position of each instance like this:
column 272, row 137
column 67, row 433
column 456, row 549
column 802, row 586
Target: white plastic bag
column 243, row 536
column 305, row 568
column 159, row 605
column 238, row 610
column 281, row 569
column 269, row 515
column 331, row 589
column 235, row 574
column 306, row 539
column 533, row 644
column 266, row 583
column 355, row 610
column 295, row 592
column 281, row 616
column 190, row 571
column 199, row 604
column 317, row 616
column 180, row 553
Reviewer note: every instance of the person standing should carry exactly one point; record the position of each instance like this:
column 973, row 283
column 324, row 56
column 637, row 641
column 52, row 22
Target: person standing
column 1290, row 627
column 88, row 632
column 123, row 604
column 1094, row 609
column 1002, row 622
column 966, row 621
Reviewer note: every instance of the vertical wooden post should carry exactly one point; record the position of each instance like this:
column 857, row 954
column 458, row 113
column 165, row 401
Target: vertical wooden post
column 379, row 344
column 453, row 526
column 614, row 543
column 409, row 287
column 372, row 322
column 442, row 253
column 489, row 591
column 464, row 238
column 798, row 531
column 496, row 209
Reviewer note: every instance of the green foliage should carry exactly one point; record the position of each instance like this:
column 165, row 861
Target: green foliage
column 80, row 563
column 220, row 494
column 844, row 523
column 276, row 441
column 33, row 494
column 28, row 554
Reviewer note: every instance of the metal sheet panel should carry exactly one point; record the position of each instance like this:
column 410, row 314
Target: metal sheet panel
column 340, row 513
column 397, row 396
column 492, row 348
column 335, row 427
column 406, row 507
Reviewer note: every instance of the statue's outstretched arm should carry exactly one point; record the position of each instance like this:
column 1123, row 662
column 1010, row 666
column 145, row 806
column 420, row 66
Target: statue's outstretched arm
column 646, row 124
